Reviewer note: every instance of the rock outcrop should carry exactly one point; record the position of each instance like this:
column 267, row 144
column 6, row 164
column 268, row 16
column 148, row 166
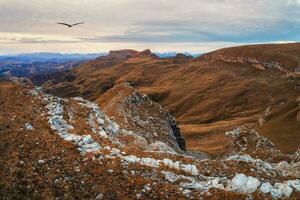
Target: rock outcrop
column 146, row 53
column 175, row 130
column 120, row 54
column 260, row 65
column 243, row 140
column 136, row 112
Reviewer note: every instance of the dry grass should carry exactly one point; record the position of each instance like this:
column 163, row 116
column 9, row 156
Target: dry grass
column 206, row 96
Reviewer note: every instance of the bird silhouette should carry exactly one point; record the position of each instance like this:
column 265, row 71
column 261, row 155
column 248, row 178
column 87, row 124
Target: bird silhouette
column 69, row 25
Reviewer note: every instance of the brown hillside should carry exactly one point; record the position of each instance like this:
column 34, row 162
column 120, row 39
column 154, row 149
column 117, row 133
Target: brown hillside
column 54, row 148
column 285, row 54
column 207, row 95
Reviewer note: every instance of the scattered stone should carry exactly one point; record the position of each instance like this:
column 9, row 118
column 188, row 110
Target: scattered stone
column 28, row 127
column 138, row 196
column 186, row 192
column 261, row 121
column 160, row 146
column 41, row 161
column 282, row 168
column 132, row 172
column 100, row 196
column 147, row 187
column 131, row 159
column 268, row 111
column 149, row 162
column 170, row 176
column 77, row 169
column 191, row 169
column 296, row 156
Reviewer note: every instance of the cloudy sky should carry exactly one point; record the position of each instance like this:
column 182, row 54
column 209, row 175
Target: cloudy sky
column 161, row 25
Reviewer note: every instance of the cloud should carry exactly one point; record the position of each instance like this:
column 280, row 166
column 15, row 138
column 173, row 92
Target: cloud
column 146, row 22
column 21, row 38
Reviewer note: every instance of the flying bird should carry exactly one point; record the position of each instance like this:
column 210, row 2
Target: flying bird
column 70, row 25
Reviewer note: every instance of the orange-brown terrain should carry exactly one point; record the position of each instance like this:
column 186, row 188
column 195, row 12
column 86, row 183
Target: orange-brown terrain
column 54, row 148
column 257, row 85
column 131, row 125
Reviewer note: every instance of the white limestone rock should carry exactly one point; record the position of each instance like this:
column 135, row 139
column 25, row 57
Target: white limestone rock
column 170, row 176
column 285, row 189
column 282, row 168
column 191, row 169
column 276, row 193
column 88, row 145
column 151, row 162
column 251, row 185
column 294, row 184
column 41, row 161
column 238, row 183
column 242, row 183
column 247, row 158
column 160, row 146
column 131, row 159
column 266, row 188
column 168, row 163
column 171, row 164
column 113, row 128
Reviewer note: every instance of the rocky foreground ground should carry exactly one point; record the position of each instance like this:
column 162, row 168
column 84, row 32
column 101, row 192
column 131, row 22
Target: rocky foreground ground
column 54, row 148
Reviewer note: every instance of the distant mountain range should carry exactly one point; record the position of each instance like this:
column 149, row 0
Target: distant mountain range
column 40, row 67
column 43, row 66
column 173, row 54
column 47, row 57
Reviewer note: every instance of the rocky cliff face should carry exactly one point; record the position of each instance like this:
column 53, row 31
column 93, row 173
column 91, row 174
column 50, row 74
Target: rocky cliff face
column 134, row 111
column 71, row 148
column 175, row 130
column 120, row 54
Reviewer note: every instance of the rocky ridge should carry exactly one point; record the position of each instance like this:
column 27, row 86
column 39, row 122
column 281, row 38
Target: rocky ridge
column 261, row 65
column 125, row 157
column 194, row 180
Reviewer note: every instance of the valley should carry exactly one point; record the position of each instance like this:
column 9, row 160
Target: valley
column 209, row 94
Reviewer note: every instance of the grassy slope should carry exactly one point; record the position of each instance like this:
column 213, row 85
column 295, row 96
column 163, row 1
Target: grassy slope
column 207, row 96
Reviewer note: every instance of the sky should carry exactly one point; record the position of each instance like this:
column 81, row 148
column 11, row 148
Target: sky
column 194, row 26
